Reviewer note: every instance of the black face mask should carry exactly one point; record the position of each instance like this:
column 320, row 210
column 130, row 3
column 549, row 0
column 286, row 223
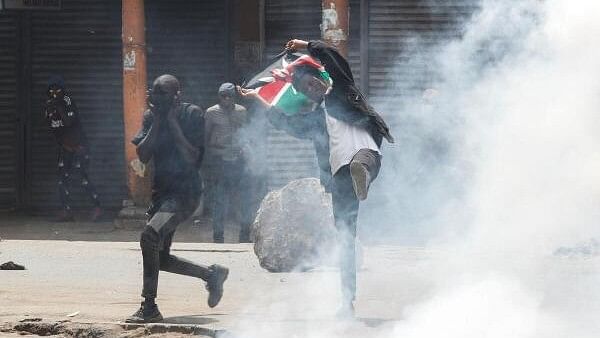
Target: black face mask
column 55, row 93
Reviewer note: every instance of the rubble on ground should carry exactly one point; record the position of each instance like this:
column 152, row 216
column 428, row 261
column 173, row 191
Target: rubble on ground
column 11, row 266
column 587, row 249
column 65, row 328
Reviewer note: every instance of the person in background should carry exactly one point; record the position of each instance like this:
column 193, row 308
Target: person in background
column 225, row 150
column 63, row 119
column 172, row 135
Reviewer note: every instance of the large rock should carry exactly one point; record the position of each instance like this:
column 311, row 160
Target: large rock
column 294, row 227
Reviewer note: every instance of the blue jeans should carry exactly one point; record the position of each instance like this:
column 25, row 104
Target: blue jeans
column 228, row 183
column 345, row 214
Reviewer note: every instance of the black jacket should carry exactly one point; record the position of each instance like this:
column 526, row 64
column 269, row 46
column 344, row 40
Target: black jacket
column 345, row 102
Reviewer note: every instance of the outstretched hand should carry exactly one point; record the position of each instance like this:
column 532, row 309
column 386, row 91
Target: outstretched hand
column 247, row 93
column 252, row 94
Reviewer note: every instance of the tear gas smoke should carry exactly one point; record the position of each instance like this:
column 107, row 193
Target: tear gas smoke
column 505, row 148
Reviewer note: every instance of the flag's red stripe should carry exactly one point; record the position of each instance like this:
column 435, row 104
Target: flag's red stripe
column 270, row 91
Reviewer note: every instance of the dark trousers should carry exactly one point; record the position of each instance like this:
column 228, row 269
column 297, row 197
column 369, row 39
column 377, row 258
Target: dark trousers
column 156, row 242
column 229, row 183
column 345, row 213
column 71, row 163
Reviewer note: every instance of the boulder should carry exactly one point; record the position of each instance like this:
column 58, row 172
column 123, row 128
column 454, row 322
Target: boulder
column 294, row 227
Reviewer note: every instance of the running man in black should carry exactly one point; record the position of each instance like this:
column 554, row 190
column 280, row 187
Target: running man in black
column 172, row 135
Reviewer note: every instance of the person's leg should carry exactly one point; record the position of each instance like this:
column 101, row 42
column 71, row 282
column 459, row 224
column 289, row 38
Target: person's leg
column 65, row 161
column 155, row 240
column 158, row 230
column 238, row 192
column 81, row 164
column 173, row 264
column 345, row 211
column 364, row 168
column 214, row 275
column 220, row 205
column 246, row 206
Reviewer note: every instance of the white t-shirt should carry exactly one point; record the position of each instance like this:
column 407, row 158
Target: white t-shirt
column 345, row 140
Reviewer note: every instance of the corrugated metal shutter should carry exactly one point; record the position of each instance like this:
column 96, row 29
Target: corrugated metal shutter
column 81, row 42
column 188, row 39
column 400, row 29
column 289, row 158
column 354, row 43
column 8, row 109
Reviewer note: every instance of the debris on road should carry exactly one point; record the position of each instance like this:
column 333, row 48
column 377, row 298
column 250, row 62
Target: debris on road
column 11, row 266
column 587, row 249
column 34, row 319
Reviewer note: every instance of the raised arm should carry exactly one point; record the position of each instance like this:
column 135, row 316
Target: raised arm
column 335, row 64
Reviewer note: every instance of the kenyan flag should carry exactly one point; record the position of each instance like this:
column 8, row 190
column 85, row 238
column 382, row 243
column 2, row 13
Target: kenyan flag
column 283, row 95
column 276, row 87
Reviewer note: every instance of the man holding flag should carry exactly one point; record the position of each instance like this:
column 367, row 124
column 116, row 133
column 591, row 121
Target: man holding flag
column 346, row 131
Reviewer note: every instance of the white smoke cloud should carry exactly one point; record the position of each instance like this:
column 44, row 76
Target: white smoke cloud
column 524, row 83
column 517, row 109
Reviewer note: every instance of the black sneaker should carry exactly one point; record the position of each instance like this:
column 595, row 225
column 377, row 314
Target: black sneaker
column 214, row 285
column 145, row 314
column 360, row 180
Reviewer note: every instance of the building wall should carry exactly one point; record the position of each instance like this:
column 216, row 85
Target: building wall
column 82, row 42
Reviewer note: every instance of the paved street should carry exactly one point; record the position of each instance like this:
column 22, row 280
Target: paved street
column 100, row 281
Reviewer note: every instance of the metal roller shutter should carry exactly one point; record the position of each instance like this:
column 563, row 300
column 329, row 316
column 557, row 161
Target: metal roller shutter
column 189, row 39
column 81, row 42
column 289, row 158
column 8, row 110
column 397, row 30
column 354, row 41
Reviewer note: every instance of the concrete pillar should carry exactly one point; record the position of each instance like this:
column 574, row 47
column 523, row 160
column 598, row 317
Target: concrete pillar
column 335, row 26
column 134, row 96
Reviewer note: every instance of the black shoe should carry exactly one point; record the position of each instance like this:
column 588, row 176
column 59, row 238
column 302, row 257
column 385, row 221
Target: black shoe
column 360, row 180
column 219, row 239
column 214, row 285
column 145, row 314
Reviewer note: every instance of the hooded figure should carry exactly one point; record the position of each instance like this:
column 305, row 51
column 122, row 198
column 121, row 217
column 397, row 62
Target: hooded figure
column 64, row 122
column 347, row 133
